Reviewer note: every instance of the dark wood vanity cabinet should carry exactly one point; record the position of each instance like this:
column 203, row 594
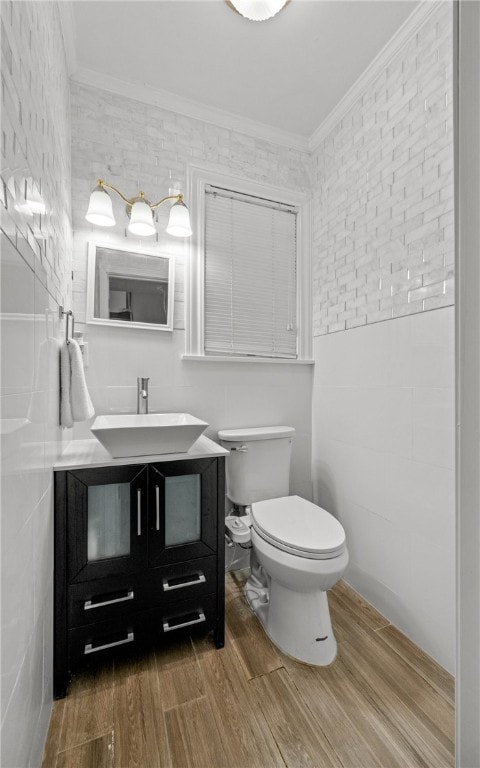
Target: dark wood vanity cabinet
column 175, row 489
column 139, row 559
column 106, row 521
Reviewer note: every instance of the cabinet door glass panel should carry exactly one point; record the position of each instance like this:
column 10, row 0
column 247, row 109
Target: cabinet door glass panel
column 182, row 509
column 108, row 521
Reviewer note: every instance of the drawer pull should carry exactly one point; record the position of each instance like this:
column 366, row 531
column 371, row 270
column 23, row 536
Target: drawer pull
column 157, row 507
column 178, row 583
column 171, row 624
column 139, row 512
column 89, row 604
column 89, row 648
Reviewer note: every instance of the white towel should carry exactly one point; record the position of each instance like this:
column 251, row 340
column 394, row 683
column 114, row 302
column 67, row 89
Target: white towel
column 75, row 403
column 82, row 408
column 66, row 418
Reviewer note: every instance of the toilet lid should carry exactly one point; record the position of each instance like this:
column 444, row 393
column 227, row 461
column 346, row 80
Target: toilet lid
column 298, row 526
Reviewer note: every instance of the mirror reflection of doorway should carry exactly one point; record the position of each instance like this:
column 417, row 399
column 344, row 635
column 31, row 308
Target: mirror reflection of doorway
column 120, row 305
column 137, row 300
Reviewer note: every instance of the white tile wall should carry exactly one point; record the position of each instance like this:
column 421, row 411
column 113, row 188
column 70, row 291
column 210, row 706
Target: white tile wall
column 135, row 145
column 223, row 394
column 35, row 267
column 383, row 397
column 383, row 192
column 383, row 462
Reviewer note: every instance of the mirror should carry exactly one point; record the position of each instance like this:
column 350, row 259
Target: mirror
column 129, row 288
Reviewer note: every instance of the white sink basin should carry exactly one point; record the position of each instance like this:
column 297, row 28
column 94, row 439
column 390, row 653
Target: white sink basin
column 147, row 434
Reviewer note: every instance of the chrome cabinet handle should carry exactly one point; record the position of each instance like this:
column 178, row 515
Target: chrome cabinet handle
column 90, row 649
column 191, row 581
column 240, row 449
column 88, row 605
column 139, row 512
column 168, row 628
column 157, row 507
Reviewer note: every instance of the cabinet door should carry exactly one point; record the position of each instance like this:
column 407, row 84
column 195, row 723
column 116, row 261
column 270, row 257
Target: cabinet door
column 183, row 510
column 107, row 521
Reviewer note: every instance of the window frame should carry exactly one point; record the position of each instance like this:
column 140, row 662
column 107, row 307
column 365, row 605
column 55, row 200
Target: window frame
column 198, row 178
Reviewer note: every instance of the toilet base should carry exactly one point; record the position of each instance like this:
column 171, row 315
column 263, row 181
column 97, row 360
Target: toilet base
column 298, row 623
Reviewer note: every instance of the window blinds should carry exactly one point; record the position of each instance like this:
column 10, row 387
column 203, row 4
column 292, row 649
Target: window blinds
column 250, row 276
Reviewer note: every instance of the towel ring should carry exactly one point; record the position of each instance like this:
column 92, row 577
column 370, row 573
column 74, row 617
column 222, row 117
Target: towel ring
column 69, row 314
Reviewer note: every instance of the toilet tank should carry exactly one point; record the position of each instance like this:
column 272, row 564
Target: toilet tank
column 258, row 466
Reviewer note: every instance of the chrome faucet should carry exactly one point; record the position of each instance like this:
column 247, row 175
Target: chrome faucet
column 142, row 395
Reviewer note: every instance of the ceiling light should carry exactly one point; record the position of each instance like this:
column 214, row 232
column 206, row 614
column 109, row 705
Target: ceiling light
column 258, row 10
column 139, row 211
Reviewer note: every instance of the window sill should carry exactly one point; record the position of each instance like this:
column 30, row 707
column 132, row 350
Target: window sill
column 232, row 359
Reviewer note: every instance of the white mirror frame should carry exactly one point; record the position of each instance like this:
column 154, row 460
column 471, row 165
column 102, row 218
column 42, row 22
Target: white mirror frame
column 90, row 313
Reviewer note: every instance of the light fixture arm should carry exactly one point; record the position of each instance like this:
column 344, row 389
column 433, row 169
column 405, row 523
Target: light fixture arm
column 178, row 198
column 140, row 196
column 104, row 185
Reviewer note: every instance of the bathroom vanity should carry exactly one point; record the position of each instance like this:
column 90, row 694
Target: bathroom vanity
column 139, row 551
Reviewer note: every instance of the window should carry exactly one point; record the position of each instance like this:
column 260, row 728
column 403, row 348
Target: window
column 248, row 286
column 250, row 276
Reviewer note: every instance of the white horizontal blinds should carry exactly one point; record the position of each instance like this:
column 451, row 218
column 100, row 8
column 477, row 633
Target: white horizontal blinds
column 250, row 276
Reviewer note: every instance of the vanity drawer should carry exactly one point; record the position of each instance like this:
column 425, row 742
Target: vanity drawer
column 169, row 585
column 111, row 639
column 103, row 599
column 189, row 617
column 108, row 639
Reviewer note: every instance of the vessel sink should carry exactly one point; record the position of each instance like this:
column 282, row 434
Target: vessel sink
column 147, row 434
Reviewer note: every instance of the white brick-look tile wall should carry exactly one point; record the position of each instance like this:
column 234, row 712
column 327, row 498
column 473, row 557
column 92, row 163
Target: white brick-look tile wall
column 134, row 145
column 35, row 137
column 35, row 278
column 383, row 192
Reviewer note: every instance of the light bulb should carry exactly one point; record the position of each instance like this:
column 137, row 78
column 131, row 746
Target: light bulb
column 179, row 220
column 100, row 211
column 141, row 219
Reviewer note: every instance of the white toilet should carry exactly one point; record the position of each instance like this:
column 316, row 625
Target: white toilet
column 298, row 549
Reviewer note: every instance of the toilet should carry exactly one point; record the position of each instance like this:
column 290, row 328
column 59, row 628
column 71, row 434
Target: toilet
column 298, row 549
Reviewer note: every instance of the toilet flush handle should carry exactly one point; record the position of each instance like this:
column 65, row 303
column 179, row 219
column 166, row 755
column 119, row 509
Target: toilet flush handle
column 240, row 449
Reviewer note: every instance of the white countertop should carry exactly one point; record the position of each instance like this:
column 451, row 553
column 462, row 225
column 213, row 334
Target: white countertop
column 87, row 454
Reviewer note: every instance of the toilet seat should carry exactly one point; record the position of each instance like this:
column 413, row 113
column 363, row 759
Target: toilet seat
column 299, row 527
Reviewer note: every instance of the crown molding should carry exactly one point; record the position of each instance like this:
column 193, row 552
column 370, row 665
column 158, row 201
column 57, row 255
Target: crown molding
column 411, row 25
column 189, row 108
column 232, row 121
column 67, row 24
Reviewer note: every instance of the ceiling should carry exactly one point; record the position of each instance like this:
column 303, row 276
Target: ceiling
column 288, row 73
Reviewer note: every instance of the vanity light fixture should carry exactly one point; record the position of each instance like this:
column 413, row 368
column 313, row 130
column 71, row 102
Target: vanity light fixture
column 139, row 211
column 258, row 10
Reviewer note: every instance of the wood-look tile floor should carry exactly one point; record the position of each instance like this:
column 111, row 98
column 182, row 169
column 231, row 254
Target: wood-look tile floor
column 382, row 704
